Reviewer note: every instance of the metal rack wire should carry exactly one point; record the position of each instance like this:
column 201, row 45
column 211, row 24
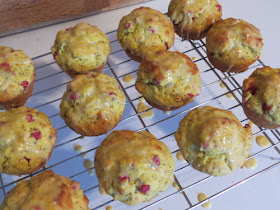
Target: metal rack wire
column 50, row 85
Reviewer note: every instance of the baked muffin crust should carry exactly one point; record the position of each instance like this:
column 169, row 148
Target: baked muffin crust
column 168, row 80
column 133, row 167
column 46, row 191
column 213, row 141
column 17, row 75
column 93, row 104
column 80, row 49
column 192, row 19
column 233, row 45
column 27, row 139
column 261, row 97
column 144, row 30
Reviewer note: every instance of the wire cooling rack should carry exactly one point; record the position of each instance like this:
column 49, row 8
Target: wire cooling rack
column 50, row 85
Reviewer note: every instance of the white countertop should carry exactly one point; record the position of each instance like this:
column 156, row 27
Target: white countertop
column 261, row 192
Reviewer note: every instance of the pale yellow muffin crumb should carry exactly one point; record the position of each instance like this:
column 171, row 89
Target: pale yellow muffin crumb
column 167, row 112
column 129, row 78
column 78, row 148
column 102, row 191
column 91, row 172
column 262, row 141
column 251, row 163
column 202, row 197
column 194, row 58
column 222, row 85
column 88, row 164
column 143, row 107
column 179, row 156
column 175, row 185
column 109, row 207
column 142, row 99
column 229, row 95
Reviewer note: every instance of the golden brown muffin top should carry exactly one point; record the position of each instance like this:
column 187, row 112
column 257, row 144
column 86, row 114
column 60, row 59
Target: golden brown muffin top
column 235, row 41
column 167, row 78
column 213, row 140
column 194, row 15
column 81, row 48
column 261, row 92
column 145, row 29
column 46, row 191
column 26, row 139
column 16, row 73
column 92, row 98
column 166, row 67
column 133, row 167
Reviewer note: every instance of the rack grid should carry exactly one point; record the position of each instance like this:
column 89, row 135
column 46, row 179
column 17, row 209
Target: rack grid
column 50, row 85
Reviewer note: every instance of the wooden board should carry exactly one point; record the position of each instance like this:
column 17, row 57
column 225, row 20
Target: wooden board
column 18, row 15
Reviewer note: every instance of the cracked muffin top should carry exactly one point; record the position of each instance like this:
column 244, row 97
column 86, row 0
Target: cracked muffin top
column 168, row 80
column 17, row 74
column 144, row 30
column 261, row 97
column 80, row 49
column 213, row 140
column 46, row 191
column 27, row 138
column 133, row 167
column 93, row 104
column 192, row 19
column 233, row 45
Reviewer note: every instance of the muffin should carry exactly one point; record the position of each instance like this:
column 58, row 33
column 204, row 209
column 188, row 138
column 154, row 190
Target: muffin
column 213, row 141
column 233, row 45
column 46, row 191
column 168, row 80
column 192, row 19
column 17, row 75
column 261, row 97
column 133, row 167
column 93, row 104
column 144, row 30
column 81, row 49
column 27, row 139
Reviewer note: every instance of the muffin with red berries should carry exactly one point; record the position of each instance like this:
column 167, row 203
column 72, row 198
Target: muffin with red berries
column 168, row 80
column 261, row 97
column 192, row 19
column 17, row 75
column 81, row 49
column 27, row 140
column 93, row 104
column 144, row 30
column 46, row 191
column 233, row 45
column 133, row 167
column 213, row 140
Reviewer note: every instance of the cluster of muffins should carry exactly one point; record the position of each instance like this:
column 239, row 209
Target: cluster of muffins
column 134, row 167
